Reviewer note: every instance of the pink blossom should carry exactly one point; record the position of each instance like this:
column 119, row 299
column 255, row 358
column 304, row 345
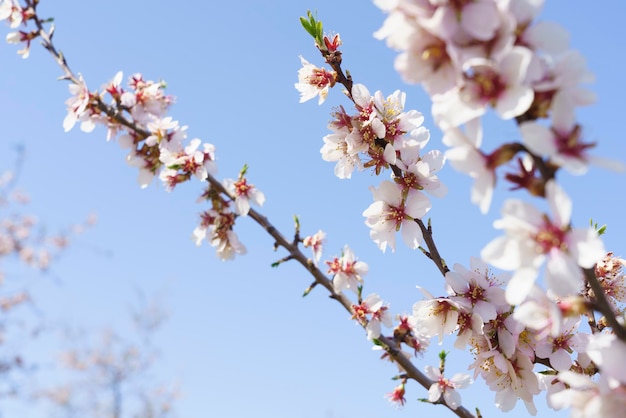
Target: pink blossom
column 391, row 212
column 446, row 387
column 397, row 395
column 563, row 143
column 347, row 271
column 78, row 107
column 532, row 237
column 498, row 83
column 244, row 193
column 313, row 81
column 435, row 316
column 316, row 242
column 371, row 313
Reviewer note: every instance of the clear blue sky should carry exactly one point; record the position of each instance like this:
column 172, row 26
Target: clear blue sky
column 240, row 338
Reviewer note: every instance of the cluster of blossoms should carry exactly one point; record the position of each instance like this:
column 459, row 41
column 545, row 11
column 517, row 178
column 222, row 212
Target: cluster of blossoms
column 473, row 55
column 158, row 147
column 382, row 135
column 137, row 115
column 508, row 341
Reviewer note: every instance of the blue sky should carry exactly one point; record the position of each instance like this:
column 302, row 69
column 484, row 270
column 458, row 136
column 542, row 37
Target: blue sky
column 240, row 338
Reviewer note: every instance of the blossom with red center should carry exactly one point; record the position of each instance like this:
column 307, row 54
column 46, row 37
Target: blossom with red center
column 334, row 44
column 371, row 313
column 610, row 273
column 446, row 387
column 435, row 316
column 397, row 395
column 563, row 143
column 244, row 193
column 392, row 212
column 499, row 83
column 315, row 241
column 347, row 271
column 532, row 237
column 313, row 81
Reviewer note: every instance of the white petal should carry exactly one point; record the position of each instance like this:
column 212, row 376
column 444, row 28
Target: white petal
column 520, row 285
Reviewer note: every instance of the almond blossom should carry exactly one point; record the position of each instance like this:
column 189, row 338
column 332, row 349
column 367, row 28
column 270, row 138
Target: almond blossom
column 498, row 83
column 392, row 212
column 435, row 316
column 313, row 81
column 347, row 271
column 78, row 107
column 190, row 161
column 563, row 142
column 531, row 238
column 316, row 242
column 446, row 387
column 372, row 313
column 244, row 194
column 476, row 290
column 397, row 395
column 557, row 348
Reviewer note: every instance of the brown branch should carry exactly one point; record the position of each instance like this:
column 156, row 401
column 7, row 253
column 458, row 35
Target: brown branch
column 603, row 305
column 433, row 252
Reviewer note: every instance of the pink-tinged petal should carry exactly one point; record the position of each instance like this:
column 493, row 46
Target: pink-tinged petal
column 411, row 120
column 390, row 154
column 514, row 65
column 452, row 398
column 560, row 360
column 456, row 281
column 443, row 23
column 462, row 380
column 379, row 128
column 563, row 112
column 411, row 234
column 487, row 311
column 520, row 285
column 505, row 400
column 480, row 19
column 514, row 101
column 560, row 204
column 586, row 247
column 613, row 165
column 507, row 343
column 449, row 110
column 503, row 253
column 242, row 206
column 524, row 11
column 434, row 393
column 482, row 191
column 517, row 214
column 474, row 132
column 435, row 160
column 583, row 97
column 548, row 36
column 538, row 138
column 466, row 159
column 389, row 192
column 361, row 95
column 374, row 211
column 500, row 362
column 432, row 372
column 417, row 205
column 563, row 276
column 608, row 352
